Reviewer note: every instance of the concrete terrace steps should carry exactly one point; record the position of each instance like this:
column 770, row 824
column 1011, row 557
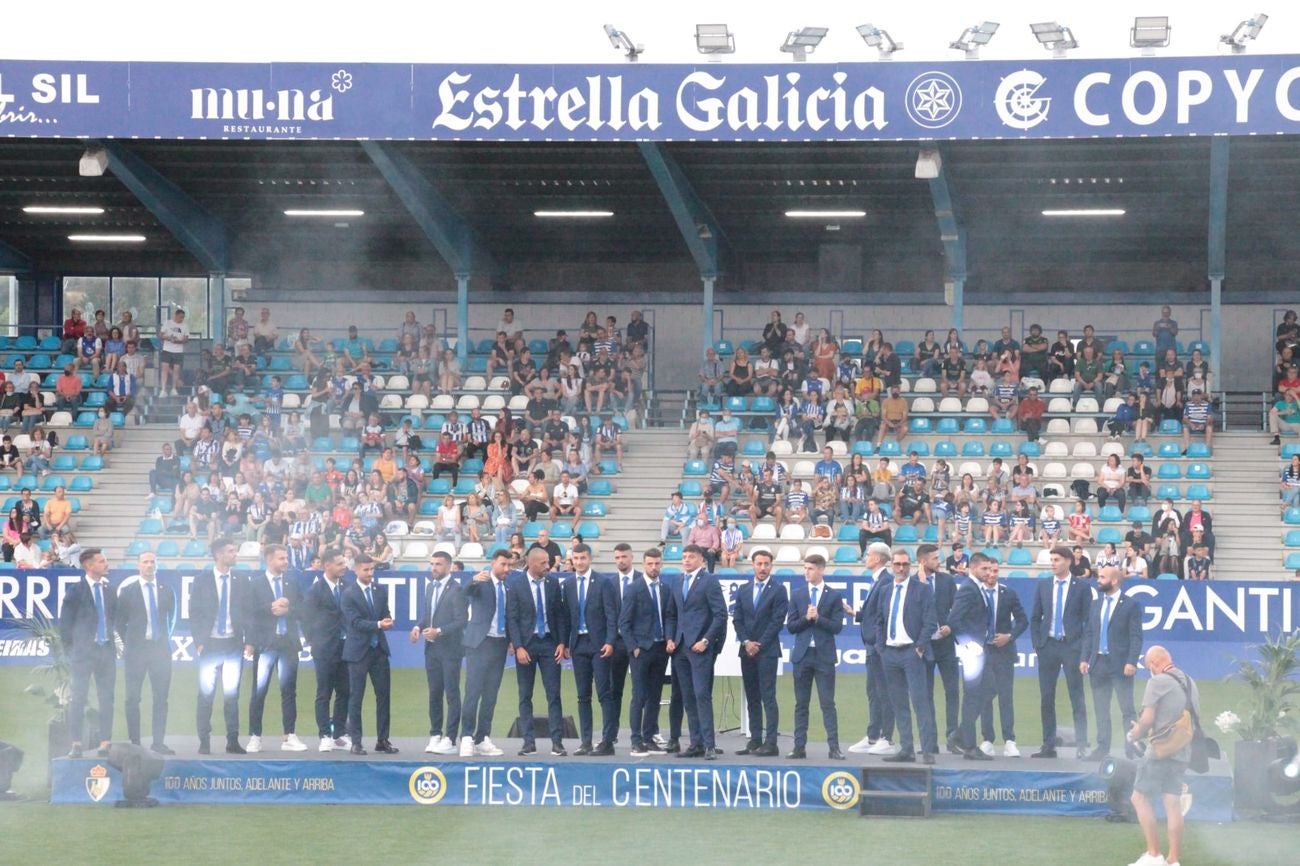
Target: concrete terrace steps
column 1247, row 524
column 111, row 513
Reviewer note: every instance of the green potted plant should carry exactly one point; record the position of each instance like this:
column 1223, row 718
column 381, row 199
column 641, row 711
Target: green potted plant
column 58, row 674
column 1271, row 713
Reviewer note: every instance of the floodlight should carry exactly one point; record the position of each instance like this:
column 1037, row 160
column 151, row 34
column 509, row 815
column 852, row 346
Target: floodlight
column 1054, row 37
column 973, row 37
column 714, row 40
column 324, row 212
column 94, row 162
column 1246, row 31
column 1149, row 33
column 63, row 210
column 107, row 239
column 620, row 40
column 140, row 768
column 802, row 42
column 879, row 40
column 825, row 214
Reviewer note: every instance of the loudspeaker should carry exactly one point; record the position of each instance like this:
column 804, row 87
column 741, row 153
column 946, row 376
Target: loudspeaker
column 139, row 768
column 11, row 758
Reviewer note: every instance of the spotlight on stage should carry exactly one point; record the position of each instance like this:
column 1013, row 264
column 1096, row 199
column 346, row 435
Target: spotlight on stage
column 139, row 768
column 11, row 758
column 1119, row 775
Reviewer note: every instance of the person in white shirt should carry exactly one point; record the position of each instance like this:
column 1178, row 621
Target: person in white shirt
column 21, row 379
column 564, row 498
column 190, row 424
column 509, row 325
column 26, row 553
column 174, row 336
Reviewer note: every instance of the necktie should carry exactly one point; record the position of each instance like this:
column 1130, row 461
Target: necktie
column 623, row 593
column 992, row 615
column 280, row 627
column 223, row 606
column 758, row 592
column 154, row 631
column 1104, row 646
column 370, row 602
column 338, row 600
column 1058, row 610
column 433, row 600
column 659, row 612
column 540, row 625
column 893, row 611
column 101, row 621
column 686, row 587
column 501, row 608
column 814, row 596
column 582, row 604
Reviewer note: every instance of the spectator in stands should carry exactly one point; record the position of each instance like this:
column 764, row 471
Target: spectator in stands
column 1125, row 417
column 953, row 368
column 447, row 522
column 203, row 515
column 775, row 334
column 912, row 503
column 1198, row 525
column 244, row 366
column 11, row 405
column 1060, row 363
column 866, row 417
column 1168, row 557
column 1197, row 372
column 1133, row 566
column 1198, row 417
column 505, row 518
column 1022, row 524
column 1029, row 415
column 825, row 353
column 795, row 509
column 708, row 537
column 1144, row 542
column 74, row 328
column 1283, row 416
column 873, row 527
column 785, row 418
column 712, row 378
column 101, row 433
column 1023, row 490
column 699, row 440
column 447, row 458
column 893, row 415
column 722, row 473
column 1108, row 558
column 812, row 417
column 1111, row 483
column 1080, row 528
column 449, row 373
column 726, row 433
column 26, row 553
column 535, row 498
column 609, row 438
column 740, row 375
column 676, row 517
column 264, row 334
column 498, row 462
column 1145, row 416
column 825, row 500
column 767, row 371
column 1006, row 397
column 68, row 389
column 1170, row 371
column 1033, row 356
column 1289, row 484
column 555, row 556
column 122, row 388
column 57, row 515
column 1198, row 564
column 1115, row 377
column 114, row 349
column 191, row 422
column 994, row 523
column 888, row 366
column 10, row 458
column 638, row 330
column 15, row 527
column 1165, row 332
column 929, row 355
column 1088, row 374
column 565, row 501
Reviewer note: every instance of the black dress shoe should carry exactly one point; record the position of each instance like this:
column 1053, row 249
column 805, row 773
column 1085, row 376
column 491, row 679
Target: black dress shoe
column 233, row 748
column 954, row 747
column 160, row 749
column 1098, row 754
column 76, row 751
column 693, row 752
column 357, row 750
column 673, row 747
column 976, row 755
column 797, row 753
column 900, row 758
column 528, row 749
column 927, row 757
column 385, row 747
column 711, row 755
column 750, row 748
column 1044, row 752
column 768, row 750
column 102, row 751
column 205, row 748
column 582, row 750
column 557, row 750
column 604, row 750
column 835, row 754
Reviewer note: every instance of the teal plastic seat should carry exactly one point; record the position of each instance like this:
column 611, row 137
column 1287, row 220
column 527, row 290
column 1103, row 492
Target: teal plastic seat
column 695, row 467
column 1169, row 471
column 1020, row 556
column 600, row 487
column 589, row 529
column 972, row 448
column 945, row 448
column 845, row 554
column 1000, row 448
column 1030, row 449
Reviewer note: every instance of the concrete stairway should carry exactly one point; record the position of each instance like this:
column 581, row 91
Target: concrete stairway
column 112, row 513
column 652, row 468
column 1247, row 527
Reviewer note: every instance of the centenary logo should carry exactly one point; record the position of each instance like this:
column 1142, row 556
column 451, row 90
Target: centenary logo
column 840, row 790
column 933, row 100
column 428, row 785
column 1017, row 101
column 98, row 783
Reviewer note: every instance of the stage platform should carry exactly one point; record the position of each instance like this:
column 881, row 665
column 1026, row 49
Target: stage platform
column 1062, row 787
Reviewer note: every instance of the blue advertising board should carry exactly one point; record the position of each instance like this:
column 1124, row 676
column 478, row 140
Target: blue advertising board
column 1207, row 626
column 1247, row 94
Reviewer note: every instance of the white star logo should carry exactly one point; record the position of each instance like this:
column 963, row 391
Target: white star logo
column 933, row 99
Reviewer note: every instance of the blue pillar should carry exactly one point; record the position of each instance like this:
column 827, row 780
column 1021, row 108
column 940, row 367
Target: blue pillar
column 217, row 300
column 1218, row 248
column 462, row 319
column 958, row 300
column 708, row 313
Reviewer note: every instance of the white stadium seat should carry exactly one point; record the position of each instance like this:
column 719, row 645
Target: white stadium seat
column 905, row 386
column 1061, row 386
column 971, row 468
column 1109, row 448
column 1085, row 426
column 391, row 401
column 446, row 402
column 493, row 403
column 475, row 383
column 416, row 550
column 447, row 547
column 1058, row 427
column 471, row 550
column 950, row 405
column 924, row 385
column 804, row 468
column 1060, row 406
column 467, row 402
column 838, row 448
column 424, row 527
column 1044, row 558
column 398, row 382
column 1111, row 405
column 1087, row 404
column 396, row 529
column 250, row 550
column 518, row 403
column 977, row 406
column 818, row 550
column 291, row 401
column 793, row 532
column 922, row 404
column 781, row 448
column 63, row 419
column 417, row 402
column 764, row 532
column 1084, row 449
column 788, row 553
column 1056, row 449
column 499, row 383
column 1032, row 382
column 1054, row 470
column 1083, row 470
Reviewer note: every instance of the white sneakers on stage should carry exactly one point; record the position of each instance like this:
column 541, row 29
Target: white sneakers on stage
column 861, row 746
column 1009, row 750
column 292, row 744
column 1149, row 860
column 882, row 747
column 440, row 745
column 467, row 747
column 326, row 745
column 488, row 749
column 987, row 748
column 254, row 745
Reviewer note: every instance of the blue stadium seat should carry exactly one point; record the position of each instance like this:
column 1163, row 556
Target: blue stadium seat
column 1171, row 450
column 27, row 480
column 724, row 348
column 1030, row 449
column 40, row 362
column 533, row 528
column 1113, row 345
column 672, row 553
column 695, row 467
column 1109, row 535
column 465, row 486
column 1292, row 538
column 49, row 343
column 1020, row 556
column 1202, row 451
column 95, row 399
column 1110, row 514
column 4, row 482
column 948, row 426
column 608, row 467
column 438, row 487
column 594, row 509
column 1199, row 491
column 589, row 529
column 890, row 448
column 473, row 466
column 690, row 488
column 434, row 422
column 1002, row 426
column 349, row 443
column 976, row 426
column 993, row 553
column 137, row 547
column 150, row 526
column 280, row 364
column 49, row 482
column 1169, row 471
column 972, row 448
column 561, row 531
column 763, row 403
column 931, row 534
column 478, row 365
column 322, row 445
column 429, row 507
column 1000, row 448
column 846, row 554
column 64, row 463
column 905, row 348
column 91, row 463
column 1198, row 471
column 737, row 404
column 864, row 447
column 754, row 448
column 168, row 547
column 1144, row 349
column 1292, row 561
column 1200, row 344
column 195, row 548
column 919, row 425
column 847, row 532
column 1166, row 576
column 906, row 535
column 1169, row 491
column 1139, row 512
column 117, row 419
column 1142, row 448
column 600, row 487
column 25, row 343
column 84, row 419
column 1171, row 427
column 296, row 382
column 851, row 346
column 922, row 449
column 945, row 448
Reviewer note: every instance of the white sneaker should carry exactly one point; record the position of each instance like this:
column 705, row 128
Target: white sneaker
column 435, row 743
column 326, row 745
column 882, row 747
column 446, row 746
column 861, row 746
column 987, row 748
column 254, row 744
column 1149, row 860
column 292, row 744
column 660, row 741
column 343, row 742
column 467, row 747
column 1009, row 749
column 488, row 749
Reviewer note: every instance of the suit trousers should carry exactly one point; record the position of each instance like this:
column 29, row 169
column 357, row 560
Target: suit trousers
column 98, row 663
column 152, row 659
column 1001, row 661
column 588, row 669
column 485, row 665
column 542, row 650
column 1055, row 656
column 758, row 675
column 331, row 679
column 648, row 668
column 881, row 719
column 281, row 659
column 221, row 659
column 611, row 710
column 695, row 670
column 806, row 672
column 675, row 711
column 374, row 664
column 905, row 679
column 1107, row 676
column 443, row 675
column 949, row 675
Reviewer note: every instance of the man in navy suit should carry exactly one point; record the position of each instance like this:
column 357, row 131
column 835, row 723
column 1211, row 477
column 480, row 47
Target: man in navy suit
column 1111, row 651
column 325, row 629
column 816, row 615
column 904, row 625
column 1058, row 626
column 146, row 614
column 367, row 619
column 619, row 661
column 86, row 631
column 592, row 607
column 880, row 725
column 217, row 623
column 486, row 647
column 440, row 622
column 944, row 647
column 271, row 637
column 701, row 628
column 538, row 625
column 760, row 610
column 990, row 616
column 647, row 618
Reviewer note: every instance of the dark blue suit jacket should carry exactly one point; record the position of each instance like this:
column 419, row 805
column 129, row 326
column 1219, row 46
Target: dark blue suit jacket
column 919, row 617
column 945, row 592
column 322, row 618
column 764, row 624
column 521, row 610
column 829, row 622
column 602, row 609
column 969, row 616
column 1123, row 636
column 450, row 616
column 1074, row 616
column 866, row 617
column 481, row 599
column 702, row 613
column 204, row 605
column 132, row 618
column 259, row 622
column 79, row 621
column 361, row 624
column 636, row 621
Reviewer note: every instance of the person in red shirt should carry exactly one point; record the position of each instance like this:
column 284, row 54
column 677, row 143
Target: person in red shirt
column 447, row 458
column 1029, row 412
column 68, row 389
column 1289, row 386
column 74, row 328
